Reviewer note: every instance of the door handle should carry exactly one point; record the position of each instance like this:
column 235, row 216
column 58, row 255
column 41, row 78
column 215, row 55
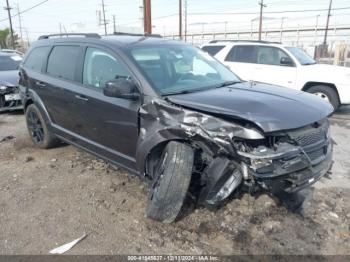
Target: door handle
column 80, row 97
column 40, row 84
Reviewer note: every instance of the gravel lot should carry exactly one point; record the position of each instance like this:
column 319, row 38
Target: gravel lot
column 50, row 197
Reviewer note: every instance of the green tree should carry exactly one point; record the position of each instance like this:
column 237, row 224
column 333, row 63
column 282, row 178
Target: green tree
column 4, row 35
column 5, row 39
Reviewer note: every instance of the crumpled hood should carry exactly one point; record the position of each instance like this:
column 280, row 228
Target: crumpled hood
column 271, row 108
column 9, row 78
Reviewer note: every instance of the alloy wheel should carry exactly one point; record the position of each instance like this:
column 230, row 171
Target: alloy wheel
column 35, row 127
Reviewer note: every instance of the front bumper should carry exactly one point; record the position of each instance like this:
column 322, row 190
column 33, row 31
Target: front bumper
column 299, row 174
column 10, row 99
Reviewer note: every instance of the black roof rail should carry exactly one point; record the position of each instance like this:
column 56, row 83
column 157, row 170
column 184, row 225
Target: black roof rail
column 249, row 41
column 92, row 35
column 135, row 34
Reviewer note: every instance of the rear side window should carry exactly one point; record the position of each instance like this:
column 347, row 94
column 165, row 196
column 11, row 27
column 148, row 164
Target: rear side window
column 36, row 58
column 212, row 49
column 242, row 54
column 63, row 61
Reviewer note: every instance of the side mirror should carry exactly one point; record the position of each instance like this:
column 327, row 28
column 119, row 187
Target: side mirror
column 286, row 61
column 121, row 88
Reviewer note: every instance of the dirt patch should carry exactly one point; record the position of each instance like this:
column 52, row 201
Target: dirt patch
column 50, row 197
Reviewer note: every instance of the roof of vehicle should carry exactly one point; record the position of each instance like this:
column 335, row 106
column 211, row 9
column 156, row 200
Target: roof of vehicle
column 116, row 39
column 247, row 42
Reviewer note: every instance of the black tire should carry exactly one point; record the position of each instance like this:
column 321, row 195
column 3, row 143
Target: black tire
column 329, row 92
column 171, row 183
column 38, row 130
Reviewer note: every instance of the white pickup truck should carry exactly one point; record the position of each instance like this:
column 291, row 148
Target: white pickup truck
column 277, row 64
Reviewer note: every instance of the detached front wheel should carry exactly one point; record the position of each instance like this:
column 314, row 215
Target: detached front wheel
column 171, row 182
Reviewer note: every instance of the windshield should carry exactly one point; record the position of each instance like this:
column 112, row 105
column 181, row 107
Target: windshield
column 301, row 56
column 177, row 69
column 9, row 62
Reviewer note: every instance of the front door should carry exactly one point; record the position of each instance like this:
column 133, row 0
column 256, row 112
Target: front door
column 108, row 124
column 272, row 67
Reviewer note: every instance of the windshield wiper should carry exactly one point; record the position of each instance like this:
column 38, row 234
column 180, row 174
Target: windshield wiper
column 227, row 83
column 187, row 91
column 310, row 63
column 183, row 92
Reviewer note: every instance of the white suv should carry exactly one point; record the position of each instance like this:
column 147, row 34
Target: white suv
column 285, row 66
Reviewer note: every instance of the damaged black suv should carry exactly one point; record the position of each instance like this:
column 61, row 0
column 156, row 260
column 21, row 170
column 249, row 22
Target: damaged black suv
column 172, row 114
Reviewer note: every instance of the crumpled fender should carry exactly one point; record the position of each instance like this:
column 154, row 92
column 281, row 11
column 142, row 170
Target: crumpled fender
column 161, row 121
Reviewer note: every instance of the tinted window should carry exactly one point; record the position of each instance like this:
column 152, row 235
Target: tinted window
column 100, row 67
column 242, row 54
column 36, row 58
column 62, row 61
column 212, row 49
column 270, row 55
column 9, row 62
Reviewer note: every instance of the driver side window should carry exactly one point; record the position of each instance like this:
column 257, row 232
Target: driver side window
column 270, row 55
column 100, row 67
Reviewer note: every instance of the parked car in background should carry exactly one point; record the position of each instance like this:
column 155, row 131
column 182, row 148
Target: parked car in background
column 172, row 114
column 282, row 65
column 12, row 51
column 9, row 92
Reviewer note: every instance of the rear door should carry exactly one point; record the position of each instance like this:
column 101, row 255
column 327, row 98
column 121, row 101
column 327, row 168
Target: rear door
column 241, row 59
column 60, row 84
column 270, row 70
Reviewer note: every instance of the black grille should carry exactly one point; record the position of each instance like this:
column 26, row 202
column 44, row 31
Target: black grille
column 310, row 138
column 316, row 154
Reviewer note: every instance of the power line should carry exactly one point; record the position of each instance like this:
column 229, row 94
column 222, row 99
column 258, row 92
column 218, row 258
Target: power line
column 269, row 12
column 26, row 10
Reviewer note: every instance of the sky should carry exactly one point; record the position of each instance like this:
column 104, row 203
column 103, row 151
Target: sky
column 203, row 15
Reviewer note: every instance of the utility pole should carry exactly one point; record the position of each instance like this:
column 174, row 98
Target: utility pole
column 8, row 8
column 327, row 24
column 185, row 20
column 147, row 17
column 282, row 19
column 261, row 3
column 60, row 28
column 316, row 28
column 180, row 19
column 114, row 27
column 104, row 16
column 20, row 23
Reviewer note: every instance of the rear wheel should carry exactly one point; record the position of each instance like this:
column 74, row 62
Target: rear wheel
column 171, row 182
column 37, row 128
column 327, row 93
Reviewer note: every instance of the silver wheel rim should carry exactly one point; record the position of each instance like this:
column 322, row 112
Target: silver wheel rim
column 322, row 95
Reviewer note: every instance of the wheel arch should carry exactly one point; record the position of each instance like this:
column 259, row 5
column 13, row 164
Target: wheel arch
column 153, row 153
column 310, row 84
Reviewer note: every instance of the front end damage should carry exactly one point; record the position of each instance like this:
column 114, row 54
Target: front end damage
column 233, row 153
column 9, row 98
